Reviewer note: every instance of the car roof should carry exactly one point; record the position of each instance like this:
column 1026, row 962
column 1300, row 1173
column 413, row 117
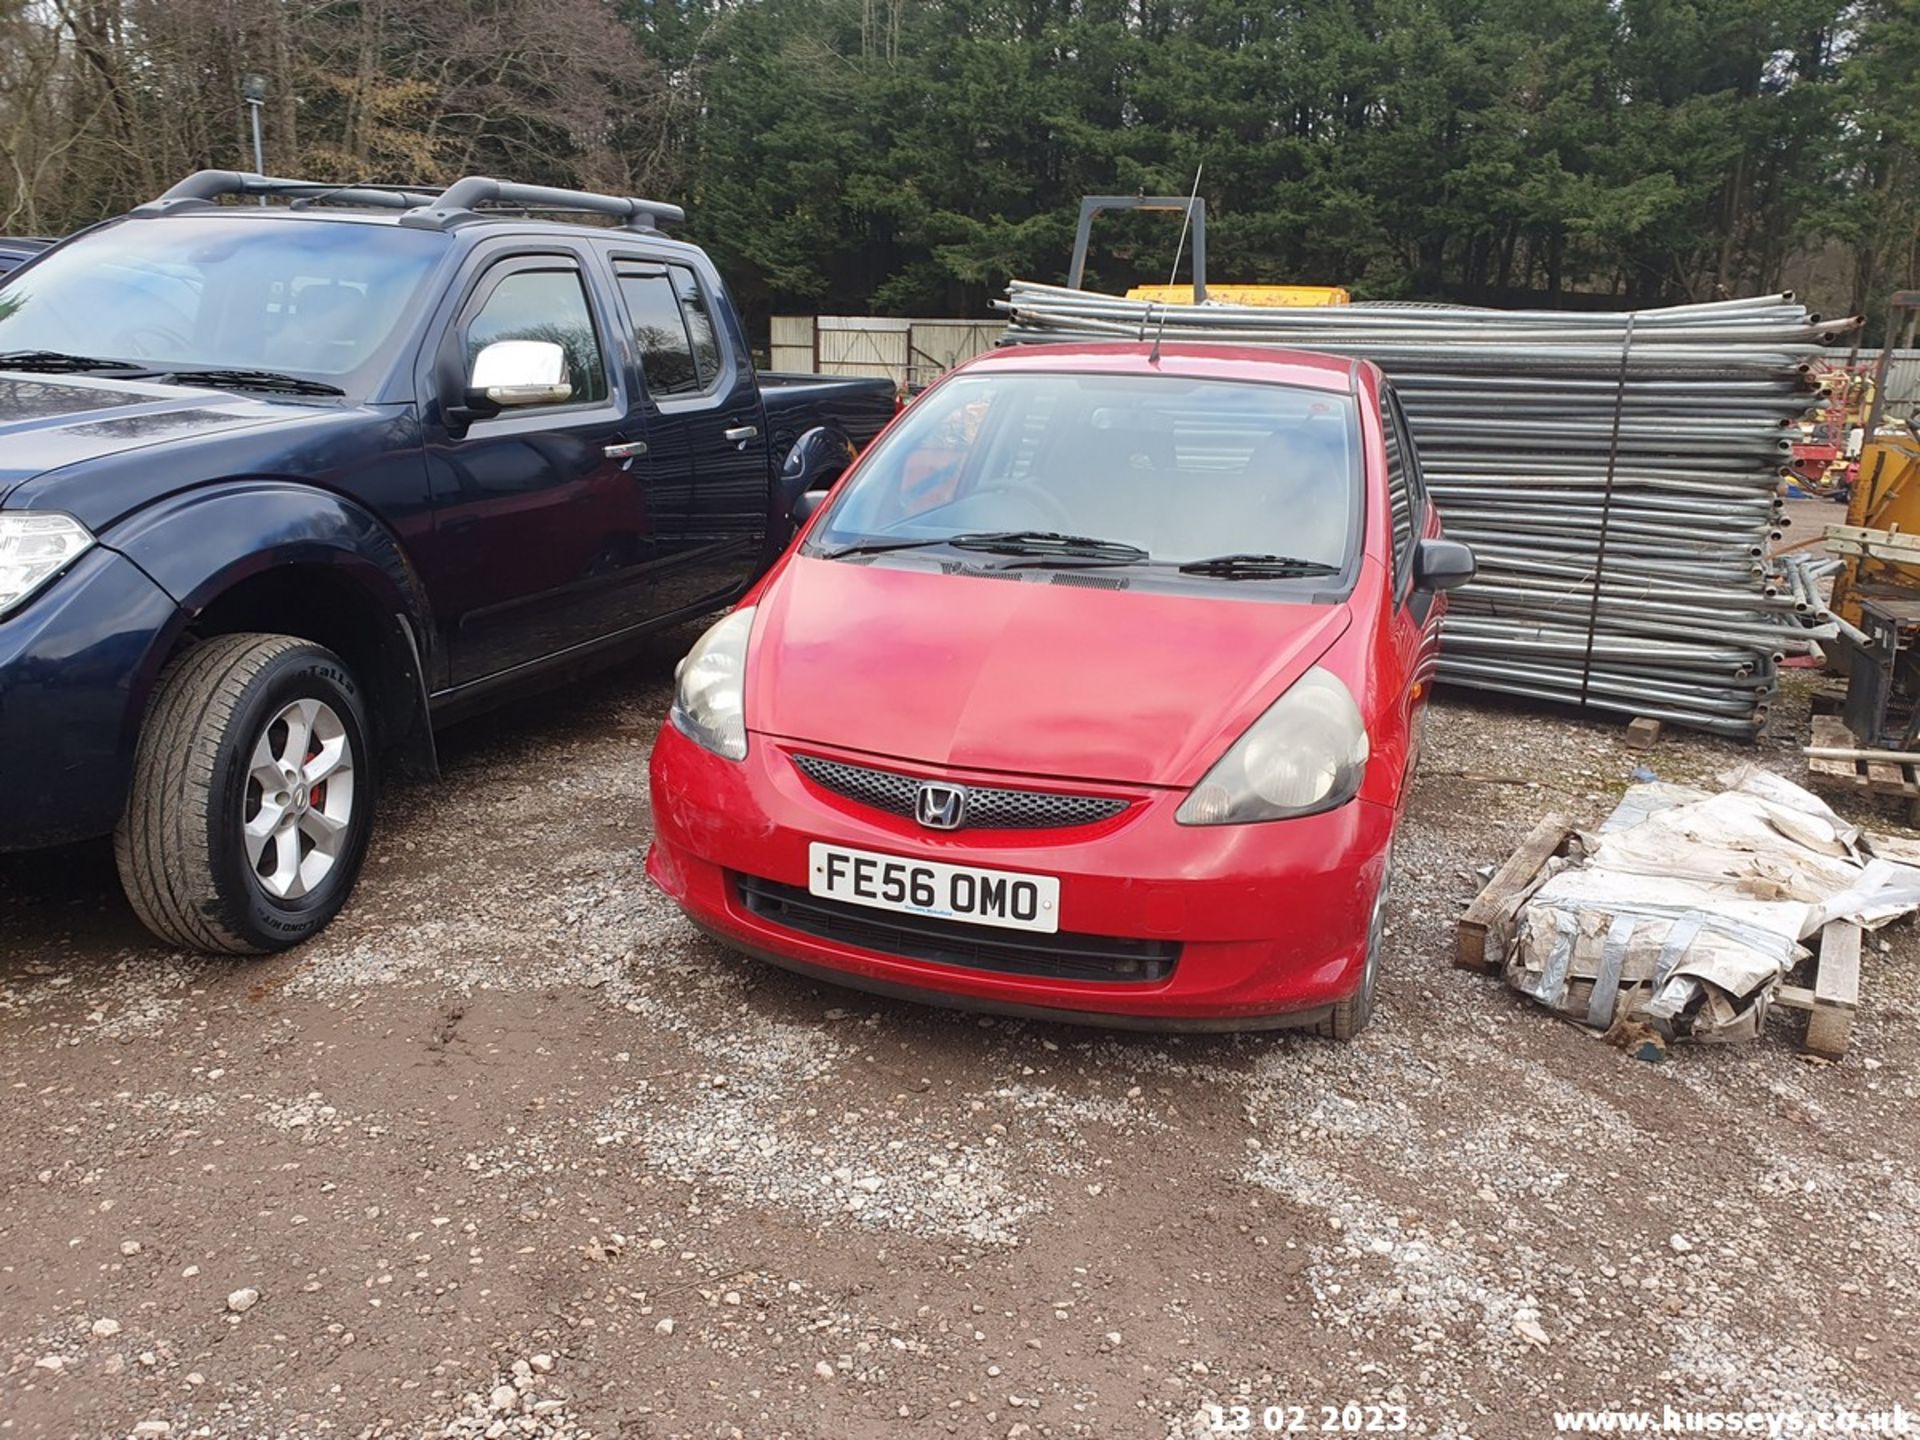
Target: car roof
column 481, row 226
column 1267, row 364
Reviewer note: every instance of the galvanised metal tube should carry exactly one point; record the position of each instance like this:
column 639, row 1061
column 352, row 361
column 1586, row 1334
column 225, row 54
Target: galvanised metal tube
column 1758, row 511
column 1668, row 546
column 1764, row 639
column 1578, row 602
column 1555, row 631
column 1705, row 352
column 1483, row 630
column 1581, row 521
column 1704, row 697
column 1494, row 560
column 1578, row 497
column 1804, row 594
column 1713, row 724
column 1494, row 548
column 1691, row 472
column 1027, row 315
column 1580, row 544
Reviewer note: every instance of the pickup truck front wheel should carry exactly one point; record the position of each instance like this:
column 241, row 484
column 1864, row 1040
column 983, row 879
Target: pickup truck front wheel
column 252, row 798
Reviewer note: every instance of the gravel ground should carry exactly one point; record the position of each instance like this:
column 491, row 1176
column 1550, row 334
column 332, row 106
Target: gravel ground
column 513, row 1151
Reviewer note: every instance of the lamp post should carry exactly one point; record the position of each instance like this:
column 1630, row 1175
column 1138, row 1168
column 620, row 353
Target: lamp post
column 254, row 90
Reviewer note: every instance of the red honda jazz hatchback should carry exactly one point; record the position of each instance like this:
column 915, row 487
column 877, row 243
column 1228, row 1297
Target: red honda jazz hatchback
column 1092, row 692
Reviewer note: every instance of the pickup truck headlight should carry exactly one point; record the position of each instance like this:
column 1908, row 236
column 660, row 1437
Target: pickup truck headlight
column 35, row 546
column 1306, row 754
column 710, row 694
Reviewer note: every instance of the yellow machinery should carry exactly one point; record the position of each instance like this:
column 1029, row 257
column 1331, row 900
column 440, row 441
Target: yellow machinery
column 1876, row 594
column 1881, row 538
column 1275, row 295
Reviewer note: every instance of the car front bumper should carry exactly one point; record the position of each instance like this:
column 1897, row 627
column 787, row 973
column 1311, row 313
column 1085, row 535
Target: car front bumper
column 74, row 673
column 1270, row 921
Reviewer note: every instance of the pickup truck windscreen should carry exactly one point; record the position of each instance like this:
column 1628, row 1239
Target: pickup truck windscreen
column 208, row 293
column 1210, row 477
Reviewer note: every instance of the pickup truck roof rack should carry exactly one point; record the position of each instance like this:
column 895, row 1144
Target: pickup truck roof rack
column 203, row 187
column 458, row 204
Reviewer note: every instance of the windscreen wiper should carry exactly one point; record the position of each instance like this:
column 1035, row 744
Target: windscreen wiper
column 880, row 547
column 269, row 380
column 1257, row 567
column 1045, row 542
column 56, row 362
column 1003, row 542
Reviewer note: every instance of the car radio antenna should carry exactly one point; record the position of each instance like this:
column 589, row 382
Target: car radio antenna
column 1153, row 357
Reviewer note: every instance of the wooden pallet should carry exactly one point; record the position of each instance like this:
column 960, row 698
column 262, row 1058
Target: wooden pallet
column 1878, row 777
column 1480, row 940
column 1493, row 908
column 1828, row 697
column 1833, row 998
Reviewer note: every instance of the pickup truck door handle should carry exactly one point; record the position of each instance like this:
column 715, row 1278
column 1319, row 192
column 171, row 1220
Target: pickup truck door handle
column 741, row 433
column 626, row 450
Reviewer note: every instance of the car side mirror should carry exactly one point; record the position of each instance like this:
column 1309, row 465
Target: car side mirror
column 817, row 460
column 519, row 372
column 1442, row 565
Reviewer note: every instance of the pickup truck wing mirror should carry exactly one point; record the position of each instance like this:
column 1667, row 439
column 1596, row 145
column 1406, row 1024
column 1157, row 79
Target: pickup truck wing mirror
column 818, row 458
column 1442, row 565
column 519, row 372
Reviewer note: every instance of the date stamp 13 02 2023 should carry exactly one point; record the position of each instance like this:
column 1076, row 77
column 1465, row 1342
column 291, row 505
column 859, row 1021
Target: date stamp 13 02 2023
column 1352, row 1418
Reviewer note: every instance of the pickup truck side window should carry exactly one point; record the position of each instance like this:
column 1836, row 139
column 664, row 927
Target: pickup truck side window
column 693, row 305
column 673, row 328
column 659, row 331
column 545, row 305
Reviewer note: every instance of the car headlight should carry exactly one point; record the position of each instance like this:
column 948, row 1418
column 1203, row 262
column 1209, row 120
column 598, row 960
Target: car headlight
column 35, row 546
column 710, row 695
column 1306, row 754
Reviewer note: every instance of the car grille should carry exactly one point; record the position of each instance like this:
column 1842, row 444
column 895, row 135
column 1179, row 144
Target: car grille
column 1062, row 956
column 988, row 807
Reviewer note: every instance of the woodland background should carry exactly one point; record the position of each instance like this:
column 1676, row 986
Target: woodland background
column 908, row 156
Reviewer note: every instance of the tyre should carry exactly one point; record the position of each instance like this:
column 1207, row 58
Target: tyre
column 1350, row 1016
column 253, row 795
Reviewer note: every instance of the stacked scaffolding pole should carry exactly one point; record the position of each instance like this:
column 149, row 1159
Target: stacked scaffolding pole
column 1617, row 475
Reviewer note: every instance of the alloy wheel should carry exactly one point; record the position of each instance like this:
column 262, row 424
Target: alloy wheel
column 299, row 802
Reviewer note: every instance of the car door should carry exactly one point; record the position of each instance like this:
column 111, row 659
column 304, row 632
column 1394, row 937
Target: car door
column 705, row 426
column 543, row 531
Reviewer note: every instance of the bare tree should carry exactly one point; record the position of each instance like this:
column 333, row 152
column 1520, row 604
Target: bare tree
column 105, row 102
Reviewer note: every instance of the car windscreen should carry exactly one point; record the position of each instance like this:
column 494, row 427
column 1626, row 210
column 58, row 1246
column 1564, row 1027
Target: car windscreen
column 1184, row 469
column 214, row 293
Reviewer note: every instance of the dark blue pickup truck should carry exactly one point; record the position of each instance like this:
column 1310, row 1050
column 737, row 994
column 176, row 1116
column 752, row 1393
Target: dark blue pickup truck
column 291, row 473
column 16, row 251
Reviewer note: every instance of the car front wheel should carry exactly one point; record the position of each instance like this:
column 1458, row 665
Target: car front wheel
column 1348, row 1018
column 253, row 794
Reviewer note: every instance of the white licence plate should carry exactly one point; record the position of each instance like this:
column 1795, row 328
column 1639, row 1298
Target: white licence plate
column 925, row 887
